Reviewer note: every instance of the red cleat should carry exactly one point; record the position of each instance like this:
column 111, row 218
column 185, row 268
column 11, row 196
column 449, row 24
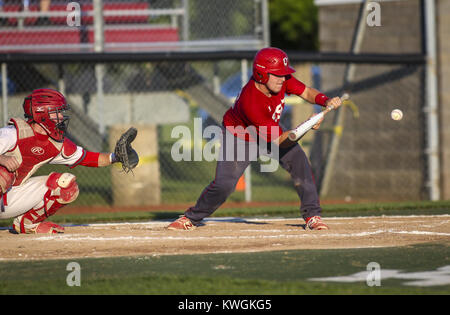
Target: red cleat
column 48, row 228
column 315, row 223
column 182, row 223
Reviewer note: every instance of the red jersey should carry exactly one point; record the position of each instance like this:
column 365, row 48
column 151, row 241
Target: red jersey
column 32, row 150
column 254, row 108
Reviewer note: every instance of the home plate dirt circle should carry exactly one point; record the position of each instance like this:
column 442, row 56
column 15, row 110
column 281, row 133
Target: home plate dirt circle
column 224, row 235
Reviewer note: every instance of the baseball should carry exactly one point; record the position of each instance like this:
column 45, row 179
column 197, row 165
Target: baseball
column 396, row 114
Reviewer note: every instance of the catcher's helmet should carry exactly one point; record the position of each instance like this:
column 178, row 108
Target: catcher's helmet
column 270, row 60
column 40, row 104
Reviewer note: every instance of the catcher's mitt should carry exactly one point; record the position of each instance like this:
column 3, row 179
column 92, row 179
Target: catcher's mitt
column 123, row 151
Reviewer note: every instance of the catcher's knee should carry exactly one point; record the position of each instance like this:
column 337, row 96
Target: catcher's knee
column 62, row 187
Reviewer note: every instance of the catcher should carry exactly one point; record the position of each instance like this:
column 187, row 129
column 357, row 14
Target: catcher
column 27, row 144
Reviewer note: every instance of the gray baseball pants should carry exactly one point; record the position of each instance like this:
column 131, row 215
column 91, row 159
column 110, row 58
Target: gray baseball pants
column 232, row 164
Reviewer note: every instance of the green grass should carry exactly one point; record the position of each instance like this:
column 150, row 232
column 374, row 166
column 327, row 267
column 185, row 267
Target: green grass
column 276, row 272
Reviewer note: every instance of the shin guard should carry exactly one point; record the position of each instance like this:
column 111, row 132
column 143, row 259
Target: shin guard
column 62, row 189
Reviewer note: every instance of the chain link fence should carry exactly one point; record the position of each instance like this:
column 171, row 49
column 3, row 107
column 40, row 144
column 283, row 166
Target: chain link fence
column 377, row 158
column 363, row 155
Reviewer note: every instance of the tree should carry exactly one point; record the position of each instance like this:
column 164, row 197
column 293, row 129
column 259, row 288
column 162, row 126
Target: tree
column 293, row 24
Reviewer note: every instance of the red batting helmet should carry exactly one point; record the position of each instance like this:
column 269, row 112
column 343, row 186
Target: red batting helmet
column 40, row 104
column 270, row 60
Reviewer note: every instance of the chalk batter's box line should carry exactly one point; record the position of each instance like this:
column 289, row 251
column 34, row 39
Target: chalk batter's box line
column 243, row 220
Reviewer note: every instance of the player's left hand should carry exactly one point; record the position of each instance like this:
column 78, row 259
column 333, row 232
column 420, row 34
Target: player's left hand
column 336, row 102
column 316, row 126
column 123, row 151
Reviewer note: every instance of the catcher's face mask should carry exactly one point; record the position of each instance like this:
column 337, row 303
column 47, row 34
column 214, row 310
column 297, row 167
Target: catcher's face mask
column 48, row 108
column 60, row 117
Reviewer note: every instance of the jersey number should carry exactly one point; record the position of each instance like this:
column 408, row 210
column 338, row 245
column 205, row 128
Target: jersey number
column 277, row 113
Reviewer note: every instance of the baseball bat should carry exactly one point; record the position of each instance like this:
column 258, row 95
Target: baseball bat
column 304, row 127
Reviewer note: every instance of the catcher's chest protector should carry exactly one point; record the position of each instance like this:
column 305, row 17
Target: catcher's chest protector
column 32, row 150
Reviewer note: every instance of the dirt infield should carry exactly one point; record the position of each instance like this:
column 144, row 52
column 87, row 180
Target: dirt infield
column 224, row 235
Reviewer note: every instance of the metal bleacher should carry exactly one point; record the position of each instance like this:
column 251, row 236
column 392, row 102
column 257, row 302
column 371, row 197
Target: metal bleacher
column 126, row 25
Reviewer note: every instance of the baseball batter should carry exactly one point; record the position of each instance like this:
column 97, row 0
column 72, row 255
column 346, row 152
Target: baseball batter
column 260, row 105
column 27, row 144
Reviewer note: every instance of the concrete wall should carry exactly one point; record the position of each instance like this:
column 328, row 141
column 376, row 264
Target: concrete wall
column 378, row 158
column 143, row 186
column 144, row 108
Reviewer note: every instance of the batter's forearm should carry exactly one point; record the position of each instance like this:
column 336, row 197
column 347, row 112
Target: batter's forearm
column 314, row 96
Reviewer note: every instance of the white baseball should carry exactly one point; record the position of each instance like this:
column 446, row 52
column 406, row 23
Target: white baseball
column 396, row 114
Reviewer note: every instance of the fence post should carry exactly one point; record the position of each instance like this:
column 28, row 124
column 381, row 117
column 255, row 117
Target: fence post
column 98, row 26
column 265, row 23
column 5, row 93
column 185, row 21
column 99, row 44
column 431, row 109
column 248, row 170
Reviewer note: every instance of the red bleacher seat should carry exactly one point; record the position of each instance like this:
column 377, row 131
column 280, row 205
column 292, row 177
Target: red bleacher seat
column 71, row 35
column 56, row 19
column 85, row 20
column 67, row 35
column 118, row 19
column 150, row 33
column 17, row 8
column 11, row 8
column 117, row 29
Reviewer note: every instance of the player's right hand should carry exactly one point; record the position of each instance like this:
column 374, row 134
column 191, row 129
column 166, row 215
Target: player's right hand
column 335, row 102
column 10, row 162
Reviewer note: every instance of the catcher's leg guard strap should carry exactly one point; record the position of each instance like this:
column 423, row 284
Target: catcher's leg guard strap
column 28, row 222
column 31, row 221
column 24, row 224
